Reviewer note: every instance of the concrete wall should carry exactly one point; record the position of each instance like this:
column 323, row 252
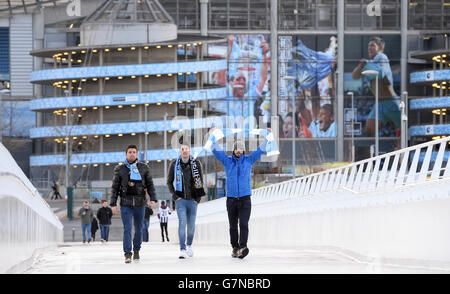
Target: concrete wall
column 27, row 222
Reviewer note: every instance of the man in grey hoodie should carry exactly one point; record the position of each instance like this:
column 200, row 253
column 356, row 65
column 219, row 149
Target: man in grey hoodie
column 86, row 215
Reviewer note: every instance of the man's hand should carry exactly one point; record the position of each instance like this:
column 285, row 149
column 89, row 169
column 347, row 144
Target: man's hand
column 114, row 209
column 152, row 204
column 363, row 62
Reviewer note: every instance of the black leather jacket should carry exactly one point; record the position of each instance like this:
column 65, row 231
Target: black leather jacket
column 120, row 185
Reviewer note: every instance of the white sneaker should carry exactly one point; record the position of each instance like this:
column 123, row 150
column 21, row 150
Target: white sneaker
column 189, row 251
column 183, row 254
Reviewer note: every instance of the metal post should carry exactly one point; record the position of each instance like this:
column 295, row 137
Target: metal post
column 274, row 57
column 353, row 125
column 340, row 80
column 165, row 147
column 145, row 133
column 404, row 45
column 404, row 121
column 376, row 119
column 293, row 136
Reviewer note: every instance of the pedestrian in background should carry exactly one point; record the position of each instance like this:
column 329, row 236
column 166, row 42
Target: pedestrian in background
column 148, row 213
column 104, row 215
column 86, row 215
column 94, row 227
column 163, row 215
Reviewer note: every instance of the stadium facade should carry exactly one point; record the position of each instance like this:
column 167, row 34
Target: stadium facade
column 289, row 59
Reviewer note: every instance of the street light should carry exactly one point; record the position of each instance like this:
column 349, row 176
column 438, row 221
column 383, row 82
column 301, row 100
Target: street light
column 2, row 92
column 375, row 73
column 353, row 126
column 291, row 78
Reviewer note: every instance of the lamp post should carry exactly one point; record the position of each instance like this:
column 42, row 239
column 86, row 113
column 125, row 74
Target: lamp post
column 290, row 78
column 375, row 73
column 353, row 126
column 404, row 121
column 68, row 189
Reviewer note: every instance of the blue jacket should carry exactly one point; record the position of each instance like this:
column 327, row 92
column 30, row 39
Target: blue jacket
column 238, row 171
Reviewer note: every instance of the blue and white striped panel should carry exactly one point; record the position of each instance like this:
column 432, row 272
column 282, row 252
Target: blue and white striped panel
column 119, row 128
column 429, row 103
column 128, row 99
column 102, row 158
column 430, row 130
column 127, row 70
column 430, row 76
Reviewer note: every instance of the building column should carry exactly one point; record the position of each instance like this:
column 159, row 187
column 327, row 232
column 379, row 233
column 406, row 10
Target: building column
column 340, row 82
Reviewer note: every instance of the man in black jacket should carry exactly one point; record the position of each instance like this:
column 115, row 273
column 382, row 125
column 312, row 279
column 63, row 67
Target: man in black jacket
column 104, row 215
column 185, row 183
column 130, row 182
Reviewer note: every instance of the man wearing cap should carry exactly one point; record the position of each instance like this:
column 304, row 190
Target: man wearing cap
column 238, row 168
column 104, row 215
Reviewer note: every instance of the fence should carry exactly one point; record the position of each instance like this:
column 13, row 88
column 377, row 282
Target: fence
column 416, row 164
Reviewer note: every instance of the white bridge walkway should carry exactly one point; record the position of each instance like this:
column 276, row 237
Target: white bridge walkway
column 162, row 258
column 387, row 214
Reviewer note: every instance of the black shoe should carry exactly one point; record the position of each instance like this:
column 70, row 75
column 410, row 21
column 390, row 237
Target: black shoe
column 127, row 258
column 136, row 256
column 235, row 252
column 243, row 252
column 168, row 240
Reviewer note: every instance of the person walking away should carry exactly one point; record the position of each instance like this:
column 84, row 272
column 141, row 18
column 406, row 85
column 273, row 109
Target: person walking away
column 238, row 168
column 86, row 215
column 130, row 182
column 104, row 216
column 185, row 183
column 163, row 215
column 148, row 213
column 94, row 228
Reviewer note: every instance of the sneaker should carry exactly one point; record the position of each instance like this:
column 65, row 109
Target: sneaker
column 235, row 252
column 189, row 251
column 89, row 241
column 136, row 256
column 183, row 254
column 127, row 258
column 243, row 252
column 101, row 240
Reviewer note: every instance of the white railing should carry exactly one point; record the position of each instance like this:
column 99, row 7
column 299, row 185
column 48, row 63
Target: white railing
column 387, row 171
column 27, row 223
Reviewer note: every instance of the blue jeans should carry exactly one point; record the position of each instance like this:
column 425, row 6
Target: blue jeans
column 128, row 215
column 187, row 211
column 84, row 228
column 145, row 230
column 104, row 232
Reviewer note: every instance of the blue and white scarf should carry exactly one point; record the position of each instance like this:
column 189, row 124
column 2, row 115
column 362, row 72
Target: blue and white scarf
column 271, row 147
column 178, row 175
column 134, row 171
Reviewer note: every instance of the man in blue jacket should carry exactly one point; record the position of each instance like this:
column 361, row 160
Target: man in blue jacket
column 238, row 168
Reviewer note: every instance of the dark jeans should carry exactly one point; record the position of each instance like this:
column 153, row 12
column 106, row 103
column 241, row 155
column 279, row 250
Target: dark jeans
column 239, row 210
column 164, row 228
column 104, row 232
column 128, row 216
column 145, row 230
